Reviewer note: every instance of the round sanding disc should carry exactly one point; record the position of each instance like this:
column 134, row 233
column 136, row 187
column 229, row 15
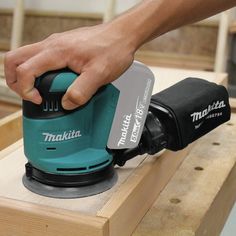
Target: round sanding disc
column 69, row 192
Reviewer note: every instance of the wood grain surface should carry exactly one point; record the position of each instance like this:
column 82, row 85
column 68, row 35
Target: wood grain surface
column 200, row 195
column 115, row 212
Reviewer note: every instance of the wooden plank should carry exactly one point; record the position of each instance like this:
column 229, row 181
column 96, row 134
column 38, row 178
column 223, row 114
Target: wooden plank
column 200, row 195
column 17, row 26
column 232, row 102
column 4, row 45
column 109, row 10
column 127, row 207
column 140, row 181
column 10, row 129
column 14, row 162
column 8, row 108
column 175, row 60
column 167, row 77
column 65, row 14
column 222, row 43
column 1, row 62
column 232, row 27
column 24, row 219
column 7, row 95
column 13, row 147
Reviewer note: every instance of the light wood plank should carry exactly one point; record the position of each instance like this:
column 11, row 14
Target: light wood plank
column 10, row 129
column 164, row 78
column 14, row 163
column 7, row 109
column 109, row 10
column 65, row 14
column 127, row 207
column 140, row 181
column 18, row 23
column 222, row 42
column 199, row 197
column 232, row 102
column 175, row 60
column 25, row 219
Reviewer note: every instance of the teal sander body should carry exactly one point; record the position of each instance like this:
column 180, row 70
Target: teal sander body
column 66, row 150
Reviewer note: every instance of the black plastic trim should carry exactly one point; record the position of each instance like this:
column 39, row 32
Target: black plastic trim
column 69, row 180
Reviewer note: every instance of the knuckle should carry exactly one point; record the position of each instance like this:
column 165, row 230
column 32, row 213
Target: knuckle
column 8, row 57
column 21, row 70
column 24, row 93
column 77, row 97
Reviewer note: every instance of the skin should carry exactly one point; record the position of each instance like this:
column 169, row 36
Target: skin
column 103, row 52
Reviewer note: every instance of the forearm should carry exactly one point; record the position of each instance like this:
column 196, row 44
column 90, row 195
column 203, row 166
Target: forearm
column 152, row 18
column 100, row 54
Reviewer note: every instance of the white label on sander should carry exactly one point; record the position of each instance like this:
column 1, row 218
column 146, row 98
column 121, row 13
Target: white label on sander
column 135, row 87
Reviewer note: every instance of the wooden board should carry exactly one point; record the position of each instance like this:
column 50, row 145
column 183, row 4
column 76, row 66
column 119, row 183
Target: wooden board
column 200, row 195
column 232, row 28
column 10, row 129
column 233, row 104
column 7, row 108
column 1, row 65
column 115, row 212
column 175, row 60
column 6, row 95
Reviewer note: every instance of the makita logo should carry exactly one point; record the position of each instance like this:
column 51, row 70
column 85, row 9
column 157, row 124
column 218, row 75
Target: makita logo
column 124, row 130
column 72, row 134
column 201, row 114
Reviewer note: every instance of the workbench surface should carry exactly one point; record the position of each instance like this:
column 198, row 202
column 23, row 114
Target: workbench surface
column 199, row 197
column 196, row 201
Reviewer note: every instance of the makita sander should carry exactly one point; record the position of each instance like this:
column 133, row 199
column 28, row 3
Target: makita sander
column 68, row 152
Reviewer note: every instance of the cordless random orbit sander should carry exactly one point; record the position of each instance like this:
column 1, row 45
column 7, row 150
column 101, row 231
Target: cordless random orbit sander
column 67, row 151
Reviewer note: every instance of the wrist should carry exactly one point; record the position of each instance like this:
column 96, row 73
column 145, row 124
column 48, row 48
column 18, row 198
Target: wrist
column 137, row 25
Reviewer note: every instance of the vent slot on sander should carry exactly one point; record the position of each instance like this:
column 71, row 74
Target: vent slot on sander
column 72, row 169
column 50, row 105
column 51, row 148
column 83, row 168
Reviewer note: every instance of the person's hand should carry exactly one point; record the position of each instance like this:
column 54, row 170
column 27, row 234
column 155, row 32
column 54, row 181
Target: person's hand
column 100, row 54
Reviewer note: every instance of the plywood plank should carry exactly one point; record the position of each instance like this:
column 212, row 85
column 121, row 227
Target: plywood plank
column 167, row 77
column 7, row 108
column 10, row 129
column 127, row 207
column 175, row 60
column 200, row 195
column 13, row 188
column 122, row 207
column 232, row 102
column 18, row 218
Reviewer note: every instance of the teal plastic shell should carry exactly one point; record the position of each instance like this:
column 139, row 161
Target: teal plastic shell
column 76, row 142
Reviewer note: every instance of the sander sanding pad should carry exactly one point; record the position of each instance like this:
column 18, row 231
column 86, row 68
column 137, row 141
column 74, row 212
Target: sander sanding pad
column 69, row 192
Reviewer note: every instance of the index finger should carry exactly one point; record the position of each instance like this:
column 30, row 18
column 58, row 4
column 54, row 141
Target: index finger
column 14, row 58
column 33, row 68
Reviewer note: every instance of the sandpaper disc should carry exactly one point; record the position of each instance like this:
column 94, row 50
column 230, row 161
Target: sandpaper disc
column 69, row 192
